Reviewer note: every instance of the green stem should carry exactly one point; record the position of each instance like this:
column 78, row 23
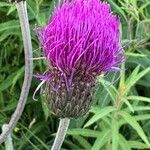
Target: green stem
column 8, row 142
column 22, row 11
column 60, row 136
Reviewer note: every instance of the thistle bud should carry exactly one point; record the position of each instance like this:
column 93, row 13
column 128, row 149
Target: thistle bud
column 72, row 102
column 80, row 42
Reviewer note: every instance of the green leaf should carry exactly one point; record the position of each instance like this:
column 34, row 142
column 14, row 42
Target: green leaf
column 135, row 54
column 128, row 104
column 122, row 76
column 32, row 8
column 101, row 140
column 4, row 4
column 1, row 101
column 83, row 142
column 18, row 75
column 71, row 144
column 140, row 30
column 134, row 73
column 11, row 79
column 141, row 108
column 36, row 137
column 7, row 33
column 132, row 121
column 134, row 77
column 44, row 106
column 142, row 117
column 139, row 98
column 123, row 143
column 11, row 9
column 112, row 91
column 28, row 140
column 137, row 118
column 83, row 132
column 9, row 25
column 99, row 114
column 4, row 36
column 115, row 136
column 138, row 145
column 117, row 8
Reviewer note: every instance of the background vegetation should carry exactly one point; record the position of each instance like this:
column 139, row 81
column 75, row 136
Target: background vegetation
column 120, row 115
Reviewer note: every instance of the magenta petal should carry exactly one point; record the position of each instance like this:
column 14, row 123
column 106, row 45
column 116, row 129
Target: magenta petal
column 82, row 37
column 42, row 77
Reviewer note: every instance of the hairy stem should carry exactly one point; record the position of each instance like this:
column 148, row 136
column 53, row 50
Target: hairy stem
column 22, row 11
column 60, row 136
column 8, row 142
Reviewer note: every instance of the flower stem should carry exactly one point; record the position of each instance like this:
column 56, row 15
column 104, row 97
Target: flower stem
column 22, row 11
column 60, row 136
column 8, row 142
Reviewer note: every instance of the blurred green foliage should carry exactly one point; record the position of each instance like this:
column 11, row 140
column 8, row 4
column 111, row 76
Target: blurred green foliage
column 119, row 118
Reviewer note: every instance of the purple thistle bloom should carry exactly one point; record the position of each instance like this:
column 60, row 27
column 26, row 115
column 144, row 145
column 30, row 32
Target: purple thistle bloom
column 80, row 42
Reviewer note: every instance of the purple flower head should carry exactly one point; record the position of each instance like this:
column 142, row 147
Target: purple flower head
column 80, row 42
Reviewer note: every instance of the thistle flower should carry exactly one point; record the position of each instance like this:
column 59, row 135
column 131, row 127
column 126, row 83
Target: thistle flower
column 80, row 42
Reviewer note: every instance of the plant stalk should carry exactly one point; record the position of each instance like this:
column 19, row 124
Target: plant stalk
column 22, row 12
column 8, row 142
column 61, row 132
